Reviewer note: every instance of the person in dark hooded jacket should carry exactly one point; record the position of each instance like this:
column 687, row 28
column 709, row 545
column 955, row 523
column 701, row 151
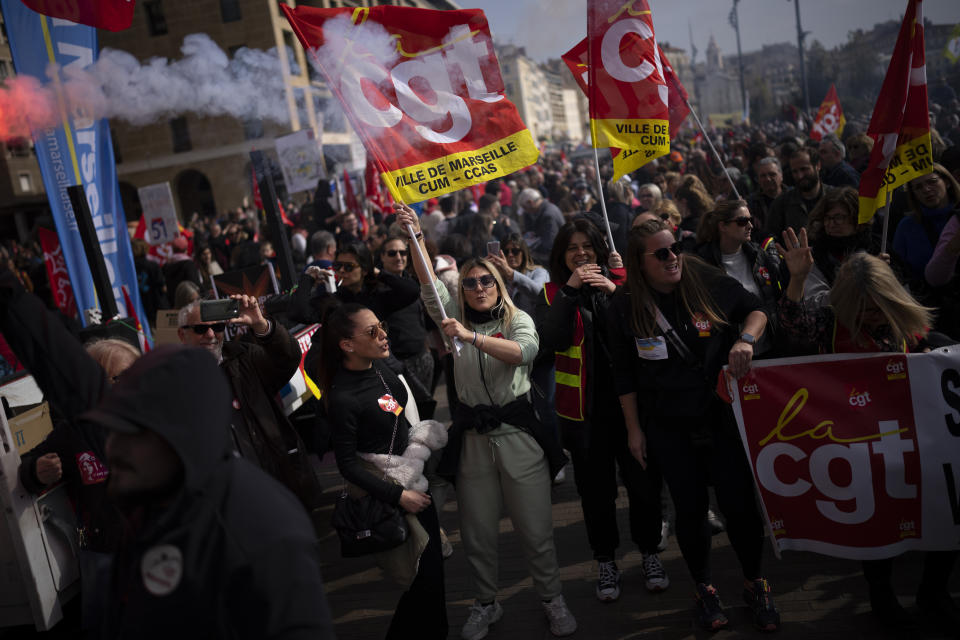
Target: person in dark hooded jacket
column 215, row 548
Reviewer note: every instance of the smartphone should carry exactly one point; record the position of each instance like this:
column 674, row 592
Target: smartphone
column 493, row 248
column 214, row 310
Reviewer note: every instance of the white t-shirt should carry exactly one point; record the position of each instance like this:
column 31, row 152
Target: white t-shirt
column 737, row 266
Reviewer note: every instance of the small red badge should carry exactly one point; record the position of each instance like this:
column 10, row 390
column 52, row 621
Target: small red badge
column 389, row 404
column 92, row 470
column 702, row 324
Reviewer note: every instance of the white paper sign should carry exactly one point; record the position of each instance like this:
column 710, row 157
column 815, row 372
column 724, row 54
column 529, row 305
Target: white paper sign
column 301, row 159
column 159, row 212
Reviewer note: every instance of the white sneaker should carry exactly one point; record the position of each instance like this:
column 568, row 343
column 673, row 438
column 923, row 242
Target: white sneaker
column 608, row 583
column 654, row 573
column 562, row 622
column 446, row 548
column 481, row 617
column 561, row 476
column 664, row 533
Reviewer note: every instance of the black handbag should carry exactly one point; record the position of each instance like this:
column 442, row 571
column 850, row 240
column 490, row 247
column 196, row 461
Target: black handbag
column 366, row 524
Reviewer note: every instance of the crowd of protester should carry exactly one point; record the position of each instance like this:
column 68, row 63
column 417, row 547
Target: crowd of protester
column 553, row 345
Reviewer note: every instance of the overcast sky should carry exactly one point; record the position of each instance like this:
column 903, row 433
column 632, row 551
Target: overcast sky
column 548, row 28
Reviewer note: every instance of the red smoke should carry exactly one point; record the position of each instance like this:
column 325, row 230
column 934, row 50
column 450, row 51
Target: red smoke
column 26, row 105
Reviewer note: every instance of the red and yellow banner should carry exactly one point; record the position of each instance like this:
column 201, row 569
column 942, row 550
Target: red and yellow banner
column 628, row 160
column 629, row 104
column 900, row 126
column 855, row 456
column 423, row 90
column 829, row 118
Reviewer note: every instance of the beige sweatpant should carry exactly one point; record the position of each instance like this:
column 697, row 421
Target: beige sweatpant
column 506, row 467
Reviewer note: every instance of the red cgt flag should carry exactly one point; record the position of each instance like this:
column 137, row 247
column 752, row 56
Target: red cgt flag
column 900, row 126
column 627, row 161
column 57, row 272
column 112, row 15
column 628, row 94
column 422, row 88
column 829, row 118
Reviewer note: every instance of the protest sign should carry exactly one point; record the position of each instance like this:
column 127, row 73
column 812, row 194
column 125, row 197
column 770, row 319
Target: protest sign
column 159, row 213
column 856, row 456
column 301, row 160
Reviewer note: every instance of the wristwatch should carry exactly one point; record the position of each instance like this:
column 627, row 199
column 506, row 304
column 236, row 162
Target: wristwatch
column 748, row 338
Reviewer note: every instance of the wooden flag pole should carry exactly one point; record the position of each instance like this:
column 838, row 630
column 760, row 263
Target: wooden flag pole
column 603, row 201
column 712, row 148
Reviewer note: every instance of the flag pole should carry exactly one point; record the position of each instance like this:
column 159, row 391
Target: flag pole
column 457, row 345
column 886, row 224
column 603, row 201
column 716, row 155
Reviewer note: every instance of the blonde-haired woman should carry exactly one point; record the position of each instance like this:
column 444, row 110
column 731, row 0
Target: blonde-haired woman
column 498, row 451
column 673, row 327
column 869, row 311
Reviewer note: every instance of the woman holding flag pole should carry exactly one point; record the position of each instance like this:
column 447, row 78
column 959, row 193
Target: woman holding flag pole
column 498, row 451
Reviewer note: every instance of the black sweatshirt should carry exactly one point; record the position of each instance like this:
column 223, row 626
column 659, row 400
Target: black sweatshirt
column 361, row 425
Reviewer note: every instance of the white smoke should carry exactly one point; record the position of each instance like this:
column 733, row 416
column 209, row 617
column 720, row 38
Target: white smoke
column 205, row 82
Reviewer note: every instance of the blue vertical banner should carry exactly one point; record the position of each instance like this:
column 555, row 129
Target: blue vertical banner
column 79, row 151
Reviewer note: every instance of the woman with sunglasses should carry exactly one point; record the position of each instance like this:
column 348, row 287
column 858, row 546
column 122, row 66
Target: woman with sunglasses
column 407, row 326
column 724, row 237
column 572, row 322
column 357, row 281
column 499, row 453
column 869, row 311
column 673, row 327
column 366, row 403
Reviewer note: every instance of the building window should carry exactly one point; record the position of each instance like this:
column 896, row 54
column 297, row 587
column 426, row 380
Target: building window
column 230, row 10
column 26, row 184
column 4, row 69
column 181, row 135
column 156, row 21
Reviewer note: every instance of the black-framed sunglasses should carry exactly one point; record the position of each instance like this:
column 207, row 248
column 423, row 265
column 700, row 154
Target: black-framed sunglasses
column 200, row 329
column 373, row 330
column 513, row 251
column 469, row 284
column 346, row 267
column 393, row 253
column 742, row 221
column 663, row 253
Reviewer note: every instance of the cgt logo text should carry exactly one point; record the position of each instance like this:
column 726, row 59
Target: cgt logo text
column 896, row 370
column 814, row 467
column 750, row 392
column 858, row 399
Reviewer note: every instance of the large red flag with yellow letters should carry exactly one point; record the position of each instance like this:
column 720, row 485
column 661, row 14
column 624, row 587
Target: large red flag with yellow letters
column 423, row 90
column 900, row 126
column 629, row 105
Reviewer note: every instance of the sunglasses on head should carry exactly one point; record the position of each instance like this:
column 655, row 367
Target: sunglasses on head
column 513, row 251
column 344, row 266
column 201, row 329
column 742, row 221
column 373, row 330
column 663, row 254
column 393, row 253
column 469, row 284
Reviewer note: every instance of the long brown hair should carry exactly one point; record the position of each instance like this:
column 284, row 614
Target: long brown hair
column 726, row 210
column 337, row 325
column 692, row 289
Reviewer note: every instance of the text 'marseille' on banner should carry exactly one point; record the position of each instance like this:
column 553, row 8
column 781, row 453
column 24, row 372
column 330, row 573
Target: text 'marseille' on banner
column 423, row 90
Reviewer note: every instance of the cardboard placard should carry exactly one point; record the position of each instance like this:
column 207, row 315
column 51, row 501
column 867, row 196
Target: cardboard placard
column 31, row 427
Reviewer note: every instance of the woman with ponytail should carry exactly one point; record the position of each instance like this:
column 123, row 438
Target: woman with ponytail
column 367, row 405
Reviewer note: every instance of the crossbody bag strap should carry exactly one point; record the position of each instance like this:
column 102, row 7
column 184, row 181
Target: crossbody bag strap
column 671, row 335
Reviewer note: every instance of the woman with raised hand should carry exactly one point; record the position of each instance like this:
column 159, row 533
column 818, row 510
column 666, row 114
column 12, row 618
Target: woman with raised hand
column 869, row 311
column 573, row 325
column 674, row 325
column 367, row 404
column 498, row 452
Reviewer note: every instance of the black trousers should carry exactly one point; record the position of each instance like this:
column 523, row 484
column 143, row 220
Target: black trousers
column 595, row 466
column 937, row 567
column 694, row 453
column 422, row 610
